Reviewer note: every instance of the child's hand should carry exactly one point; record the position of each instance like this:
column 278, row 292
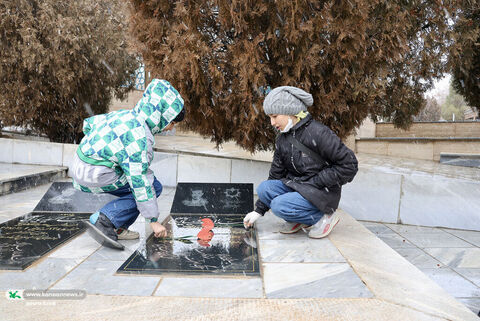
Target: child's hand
column 158, row 229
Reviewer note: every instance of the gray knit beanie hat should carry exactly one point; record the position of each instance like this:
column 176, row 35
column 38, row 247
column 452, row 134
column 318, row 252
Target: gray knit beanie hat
column 287, row 100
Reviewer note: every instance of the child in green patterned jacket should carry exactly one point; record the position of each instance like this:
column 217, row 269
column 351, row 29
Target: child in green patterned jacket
column 114, row 157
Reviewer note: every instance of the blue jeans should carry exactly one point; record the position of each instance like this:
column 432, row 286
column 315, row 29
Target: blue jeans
column 287, row 204
column 123, row 212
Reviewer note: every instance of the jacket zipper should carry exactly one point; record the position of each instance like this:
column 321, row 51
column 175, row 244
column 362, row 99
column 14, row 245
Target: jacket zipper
column 291, row 158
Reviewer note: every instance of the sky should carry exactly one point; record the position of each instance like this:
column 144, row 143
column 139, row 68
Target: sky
column 440, row 89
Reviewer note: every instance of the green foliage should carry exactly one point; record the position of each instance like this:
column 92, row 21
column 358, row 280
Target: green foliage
column 465, row 55
column 58, row 59
column 356, row 57
column 454, row 104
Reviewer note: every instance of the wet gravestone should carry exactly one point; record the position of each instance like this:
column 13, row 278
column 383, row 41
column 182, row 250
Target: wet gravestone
column 63, row 197
column 205, row 234
column 25, row 239
column 217, row 244
column 56, row 219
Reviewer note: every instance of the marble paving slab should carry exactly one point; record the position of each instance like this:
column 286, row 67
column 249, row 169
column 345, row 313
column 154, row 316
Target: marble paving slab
column 62, row 197
column 212, row 244
column 471, row 303
column 213, row 198
column 472, row 237
column 39, row 276
column 300, row 250
column 98, row 277
column 269, row 225
column 25, row 239
column 390, row 277
column 377, row 228
column 419, row 258
column 395, row 241
column 452, row 282
column 457, row 257
column 441, row 239
column 211, row 287
column 473, row 275
column 316, row 280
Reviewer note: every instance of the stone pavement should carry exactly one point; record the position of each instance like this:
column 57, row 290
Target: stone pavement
column 351, row 275
column 449, row 257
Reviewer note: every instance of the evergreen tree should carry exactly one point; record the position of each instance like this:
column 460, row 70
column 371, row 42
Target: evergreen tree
column 454, row 105
column 60, row 61
column 465, row 55
column 356, row 57
column 431, row 111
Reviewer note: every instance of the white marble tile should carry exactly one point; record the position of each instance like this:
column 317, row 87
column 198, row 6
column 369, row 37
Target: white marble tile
column 269, row 225
column 419, row 258
column 247, row 171
column 97, row 277
column 401, row 228
column 211, row 287
column 471, row 303
column 108, row 254
column 473, row 275
column 34, row 152
column 472, row 237
column 377, row 228
column 69, row 151
column 300, row 250
column 40, row 275
column 6, row 146
column 452, row 282
column 440, row 239
column 372, row 196
column 203, row 169
column 389, row 276
column 164, row 166
column 80, row 247
column 316, row 280
column 456, row 257
column 395, row 241
column 21, row 203
column 430, row 200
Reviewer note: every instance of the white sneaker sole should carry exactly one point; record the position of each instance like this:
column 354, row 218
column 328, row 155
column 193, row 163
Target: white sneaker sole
column 297, row 227
column 326, row 231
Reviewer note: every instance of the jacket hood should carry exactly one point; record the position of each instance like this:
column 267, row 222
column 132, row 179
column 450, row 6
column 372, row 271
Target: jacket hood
column 308, row 118
column 160, row 104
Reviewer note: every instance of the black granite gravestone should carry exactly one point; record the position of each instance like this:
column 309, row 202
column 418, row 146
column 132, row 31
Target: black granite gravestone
column 198, row 244
column 25, row 239
column 62, row 197
column 213, row 198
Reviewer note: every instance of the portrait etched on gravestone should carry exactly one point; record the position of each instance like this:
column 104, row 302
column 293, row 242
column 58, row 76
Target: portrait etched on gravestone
column 63, row 197
column 213, row 198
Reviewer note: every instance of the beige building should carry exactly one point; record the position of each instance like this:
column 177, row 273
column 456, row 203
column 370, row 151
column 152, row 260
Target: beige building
column 471, row 114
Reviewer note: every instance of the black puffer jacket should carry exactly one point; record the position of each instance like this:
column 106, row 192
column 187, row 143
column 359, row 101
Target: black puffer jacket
column 319, row 183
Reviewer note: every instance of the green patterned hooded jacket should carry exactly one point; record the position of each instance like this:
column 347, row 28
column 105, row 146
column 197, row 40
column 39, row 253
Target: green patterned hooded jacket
column 120, row 141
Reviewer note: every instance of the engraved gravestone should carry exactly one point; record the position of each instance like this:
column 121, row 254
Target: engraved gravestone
column 216, row 198
column 62, row 197
column 25, row 239
column 198, row 244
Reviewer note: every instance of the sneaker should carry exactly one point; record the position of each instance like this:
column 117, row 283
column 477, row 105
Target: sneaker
column 126, row 234
column 323, row 227
column 292, row 227
column 102, row 230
